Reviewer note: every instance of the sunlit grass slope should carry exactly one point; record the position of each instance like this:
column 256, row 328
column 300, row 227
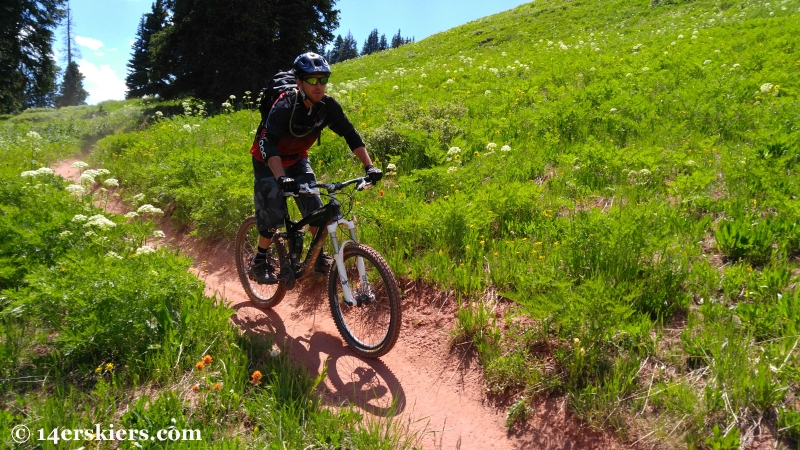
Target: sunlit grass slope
column 100, row 329
column 624, row 171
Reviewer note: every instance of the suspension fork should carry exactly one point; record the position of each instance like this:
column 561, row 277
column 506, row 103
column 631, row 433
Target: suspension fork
column 339, row 258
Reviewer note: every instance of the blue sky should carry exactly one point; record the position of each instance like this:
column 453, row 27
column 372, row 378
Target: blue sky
column 106, row 29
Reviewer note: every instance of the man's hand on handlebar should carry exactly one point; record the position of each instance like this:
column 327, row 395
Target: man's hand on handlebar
column 373, row 174
column 287, row 184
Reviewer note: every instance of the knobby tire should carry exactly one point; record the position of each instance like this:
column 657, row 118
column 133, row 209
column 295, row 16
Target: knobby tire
column 264, row 296
column 371, row 330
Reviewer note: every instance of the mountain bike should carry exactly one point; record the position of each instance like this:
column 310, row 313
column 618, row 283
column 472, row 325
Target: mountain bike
column 362, row 290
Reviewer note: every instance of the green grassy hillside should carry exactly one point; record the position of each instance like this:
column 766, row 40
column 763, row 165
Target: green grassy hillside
column 624, row 171
column 98, row 327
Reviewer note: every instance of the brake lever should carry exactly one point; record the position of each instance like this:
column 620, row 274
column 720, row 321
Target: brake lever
column 304, row 189
column 363, row 185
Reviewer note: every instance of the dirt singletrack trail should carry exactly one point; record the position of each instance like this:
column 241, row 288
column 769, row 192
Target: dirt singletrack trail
column 432, row 389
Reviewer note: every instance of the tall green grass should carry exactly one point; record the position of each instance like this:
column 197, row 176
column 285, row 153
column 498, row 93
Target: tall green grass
column 619, row 170
column 99, row 327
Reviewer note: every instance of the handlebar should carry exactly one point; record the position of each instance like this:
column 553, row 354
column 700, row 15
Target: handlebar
column 306, row 189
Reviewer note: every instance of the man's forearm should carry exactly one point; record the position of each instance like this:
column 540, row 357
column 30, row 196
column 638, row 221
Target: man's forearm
column 361, row 154
column 275, row 165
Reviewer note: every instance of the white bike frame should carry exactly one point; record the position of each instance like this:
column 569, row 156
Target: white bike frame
column 339, row 258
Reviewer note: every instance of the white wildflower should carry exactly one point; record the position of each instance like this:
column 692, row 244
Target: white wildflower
column 487, row 92
column 736, row 65
column 766, row 87
column 99, row 221
column 493, row 70
column 79, row 218
column 34, row 136
column 145, row 249
column 592, row 69
column 395, row 87
column 138, row 197
column 391, row 167
column 673, row 43
column 75, row 189
column 187, row 127
column 149, row 209
column 505, row 148
column 452, row 169
column 628, row 74
column 80, row 165
column 453, row 151
column 28, row 174
column 680, row 36
column 113, row 255
column 86, row 178
column 232, row 97
column 645, row 69
column 706, row 62
column 491, row 146
column 131, row 215
column 64, row 234
column 563, row 45
column 90, row 233
column 637, row 47
column 159, row 114
column 449, row 80
column 111, row 182
column 159, row 234
column 613, row 110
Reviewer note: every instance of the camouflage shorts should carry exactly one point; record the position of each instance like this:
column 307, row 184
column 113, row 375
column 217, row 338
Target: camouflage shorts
column 270, row 205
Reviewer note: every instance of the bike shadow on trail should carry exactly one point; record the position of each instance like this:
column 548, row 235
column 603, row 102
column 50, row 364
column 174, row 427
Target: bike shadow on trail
column 366, row 383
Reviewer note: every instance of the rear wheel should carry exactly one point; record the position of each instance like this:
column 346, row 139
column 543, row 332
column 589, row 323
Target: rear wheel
column 371, row 326
column 262, row 295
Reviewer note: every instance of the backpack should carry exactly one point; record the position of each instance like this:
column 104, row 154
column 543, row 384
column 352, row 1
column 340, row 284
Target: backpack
column 281, row 82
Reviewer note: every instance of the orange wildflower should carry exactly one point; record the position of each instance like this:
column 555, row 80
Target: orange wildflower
column 208, row 359
column 196, row 387
column 200, row 365
column 255, row 378
column 216, row 387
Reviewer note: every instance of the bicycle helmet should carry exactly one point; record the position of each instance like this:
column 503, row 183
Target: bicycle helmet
column 310, row 63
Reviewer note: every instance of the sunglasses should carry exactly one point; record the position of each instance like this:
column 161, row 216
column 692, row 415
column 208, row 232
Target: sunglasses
column 312, row 80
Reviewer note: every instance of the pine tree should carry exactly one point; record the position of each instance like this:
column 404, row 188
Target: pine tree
column 142, row 78
column 371, row 45
column 383, row 45
column 27, row 72
column 349, row 48
column 72, row 51
column 333, row 54
column 216, row 48
column 397, row 39
column 71, row 92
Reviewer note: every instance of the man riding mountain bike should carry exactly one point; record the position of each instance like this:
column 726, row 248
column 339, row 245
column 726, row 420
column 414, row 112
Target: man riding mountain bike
column 280, row 154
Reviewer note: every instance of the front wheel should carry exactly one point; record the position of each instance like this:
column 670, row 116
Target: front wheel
column 262, row 295
column 371, row 326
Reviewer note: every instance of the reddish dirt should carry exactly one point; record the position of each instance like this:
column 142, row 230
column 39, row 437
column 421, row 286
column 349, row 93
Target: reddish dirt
column 435, row 390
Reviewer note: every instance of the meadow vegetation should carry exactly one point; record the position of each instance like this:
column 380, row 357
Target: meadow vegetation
column 626, row 173
column 98, row 325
